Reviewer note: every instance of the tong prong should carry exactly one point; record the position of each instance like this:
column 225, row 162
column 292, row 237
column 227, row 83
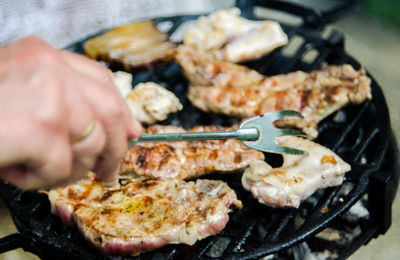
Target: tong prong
column 288, row 131
column 268, row 132
column 257, row 133
column 277, row 115
column 286, row 150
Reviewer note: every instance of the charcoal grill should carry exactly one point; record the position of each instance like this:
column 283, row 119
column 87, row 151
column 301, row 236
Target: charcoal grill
column 256, row 230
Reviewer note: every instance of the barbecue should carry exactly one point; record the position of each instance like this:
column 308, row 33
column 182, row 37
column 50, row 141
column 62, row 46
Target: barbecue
column 298, row 177
column 149, row 102
column 227, row 36
column 258, row 133
column 135, row 46
column 231, row 89
column 185, row 160
column 256, row 230
column 142, row 214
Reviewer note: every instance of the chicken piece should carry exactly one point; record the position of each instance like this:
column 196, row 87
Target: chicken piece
column 142, row 214
column 236, row 90
column 298, row 177
column 184, row 160
column 150, row 102
column 229, row 37
column 134, row 46
column 123, row 81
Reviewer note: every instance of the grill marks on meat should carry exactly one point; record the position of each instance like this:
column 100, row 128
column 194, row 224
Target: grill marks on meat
column 298, row 177
column 143, row 214
column 235, row 90
column 184, row 160
column 200, row 68
column 134, row 46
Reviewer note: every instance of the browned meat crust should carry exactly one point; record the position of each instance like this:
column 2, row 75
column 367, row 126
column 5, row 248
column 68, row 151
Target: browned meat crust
column 185, row 160
column 235, row 90
column 298, row 177
column 142, row 215
column 135, row 46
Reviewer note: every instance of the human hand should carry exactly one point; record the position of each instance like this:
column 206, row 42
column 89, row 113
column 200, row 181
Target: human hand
column 60, row 116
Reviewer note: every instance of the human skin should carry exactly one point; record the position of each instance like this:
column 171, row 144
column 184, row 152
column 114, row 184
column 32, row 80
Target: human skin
column 48, row 100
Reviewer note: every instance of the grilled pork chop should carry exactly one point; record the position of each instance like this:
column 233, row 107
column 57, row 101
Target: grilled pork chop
column 298, row 177
column 185, row 160
column 229, row 37
column 235, row 90
column 141, row 214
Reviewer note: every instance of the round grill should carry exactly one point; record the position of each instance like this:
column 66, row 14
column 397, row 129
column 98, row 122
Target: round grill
column 359, row 134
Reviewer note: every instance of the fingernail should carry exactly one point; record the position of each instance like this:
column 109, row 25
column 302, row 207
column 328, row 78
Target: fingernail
column 111, row 181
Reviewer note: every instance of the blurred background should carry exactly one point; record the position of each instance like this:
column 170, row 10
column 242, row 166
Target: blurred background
column 372, row 36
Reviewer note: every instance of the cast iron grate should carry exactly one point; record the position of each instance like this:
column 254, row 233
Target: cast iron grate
column 256, row 230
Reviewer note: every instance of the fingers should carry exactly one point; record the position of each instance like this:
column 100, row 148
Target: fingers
column 111, row 112
column 102, row 76
column 88, row 67
column 57, row 96
column 55, row 165
column 35, row 160
column 108, row 109
column 87, row 151
column 108, row 162
column 14, row 174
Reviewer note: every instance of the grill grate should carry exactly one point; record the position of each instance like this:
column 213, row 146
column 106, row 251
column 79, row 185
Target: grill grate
column 256, row 230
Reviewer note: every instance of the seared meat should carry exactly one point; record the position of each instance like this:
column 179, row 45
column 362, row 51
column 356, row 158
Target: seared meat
column 229, row 37
column 235, row 90
column 299, row 176
column 150, row 102
column 200, row 68
column 138, row 45
column 142, row 215
column 183, row 160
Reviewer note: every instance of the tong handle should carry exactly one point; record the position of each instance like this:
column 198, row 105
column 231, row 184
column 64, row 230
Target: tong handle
column 243, row 134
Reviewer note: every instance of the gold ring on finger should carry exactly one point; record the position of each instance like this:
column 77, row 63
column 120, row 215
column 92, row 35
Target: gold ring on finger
column 88, row 131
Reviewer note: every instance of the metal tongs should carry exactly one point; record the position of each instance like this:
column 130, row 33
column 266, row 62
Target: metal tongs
column 257, row 133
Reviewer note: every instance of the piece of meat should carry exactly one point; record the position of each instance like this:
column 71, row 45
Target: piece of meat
column 298, row 177
column 142, row 214
column 184, row 160
column 123, row 82
column 235, row 90
column 229, row 37
column 201, row 69
column 150, row 102
column 134, row 46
